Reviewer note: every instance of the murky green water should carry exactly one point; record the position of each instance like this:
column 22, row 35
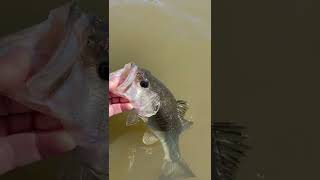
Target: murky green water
column 172, row 39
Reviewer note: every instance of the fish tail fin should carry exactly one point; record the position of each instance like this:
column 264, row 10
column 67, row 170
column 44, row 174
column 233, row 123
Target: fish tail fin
column 172, row 170
column 229, row 145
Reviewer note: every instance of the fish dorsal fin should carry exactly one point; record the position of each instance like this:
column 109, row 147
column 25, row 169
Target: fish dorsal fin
column 186, row 124
column 229, row 147
column 149, row 138
column 132, row 119
column 182, row 107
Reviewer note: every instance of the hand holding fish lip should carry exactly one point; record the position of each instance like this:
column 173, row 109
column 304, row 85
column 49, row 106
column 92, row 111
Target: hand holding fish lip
column 145, row 102
column 25, row 134
column 117, row 104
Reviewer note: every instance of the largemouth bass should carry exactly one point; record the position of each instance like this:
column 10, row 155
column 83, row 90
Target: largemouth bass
column 163, row 114
column 69, row 53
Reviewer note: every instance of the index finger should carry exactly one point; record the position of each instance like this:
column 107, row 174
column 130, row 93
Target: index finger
column 24, row 148
column 15, row 66
column 113, row 83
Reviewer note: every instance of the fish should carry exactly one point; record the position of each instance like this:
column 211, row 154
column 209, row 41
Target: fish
column 229, row 146
column 155, row 105
column 71, row 47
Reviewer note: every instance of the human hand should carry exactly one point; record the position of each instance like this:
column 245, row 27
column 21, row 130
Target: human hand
column 117, row 104
column 25, row 134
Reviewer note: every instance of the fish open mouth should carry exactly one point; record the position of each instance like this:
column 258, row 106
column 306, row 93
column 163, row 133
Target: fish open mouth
column 145, row 102
column 127, row 76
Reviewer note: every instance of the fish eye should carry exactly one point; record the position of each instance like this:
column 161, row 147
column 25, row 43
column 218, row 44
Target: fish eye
column 144, row 83
column 103, row 70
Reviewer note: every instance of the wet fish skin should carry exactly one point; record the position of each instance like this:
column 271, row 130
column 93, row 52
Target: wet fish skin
column 90, row 159
column 166, row 124
column 94, row 156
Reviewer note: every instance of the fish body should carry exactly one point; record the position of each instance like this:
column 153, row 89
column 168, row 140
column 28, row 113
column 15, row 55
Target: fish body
column 164, row 115
column 93, row 151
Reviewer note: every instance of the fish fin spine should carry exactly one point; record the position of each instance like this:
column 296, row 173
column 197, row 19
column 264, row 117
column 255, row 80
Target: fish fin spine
column 182, row 107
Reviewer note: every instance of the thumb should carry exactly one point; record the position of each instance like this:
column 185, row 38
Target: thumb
column 15, row 65
column 113, row 83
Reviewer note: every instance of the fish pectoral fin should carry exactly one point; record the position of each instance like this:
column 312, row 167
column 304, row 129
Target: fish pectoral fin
column 149, row 138
column 182, row 107
column 144, row 119
column 132, row 118
column 186, row 124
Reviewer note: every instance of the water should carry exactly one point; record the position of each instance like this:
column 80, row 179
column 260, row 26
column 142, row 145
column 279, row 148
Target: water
column 172, row 40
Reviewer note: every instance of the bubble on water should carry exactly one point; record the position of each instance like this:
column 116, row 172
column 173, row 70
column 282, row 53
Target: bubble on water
column 147, row 150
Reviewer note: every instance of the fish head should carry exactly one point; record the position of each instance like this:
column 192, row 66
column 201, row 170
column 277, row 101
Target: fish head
column 135, row 86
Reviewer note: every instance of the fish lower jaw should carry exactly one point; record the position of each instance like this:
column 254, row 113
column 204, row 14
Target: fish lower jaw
column 145, row 110
column 145, row 115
